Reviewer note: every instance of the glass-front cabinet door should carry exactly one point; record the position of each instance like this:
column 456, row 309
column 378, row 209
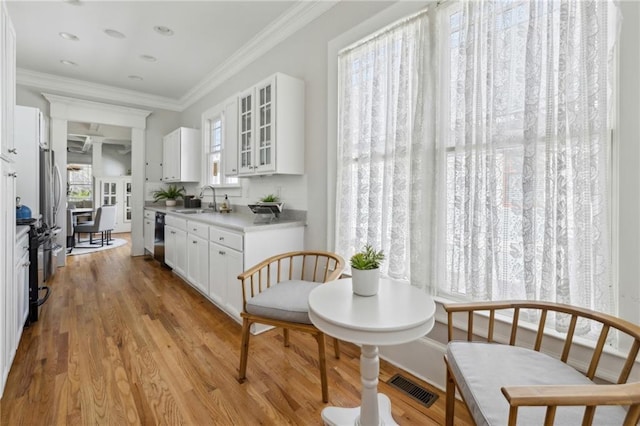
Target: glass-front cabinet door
column 127, row 201
column 245, row 145
column 109, row 192
column 265, row 155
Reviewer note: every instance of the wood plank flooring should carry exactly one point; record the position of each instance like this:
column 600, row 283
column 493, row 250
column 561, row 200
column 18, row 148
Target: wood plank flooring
column 124, row 341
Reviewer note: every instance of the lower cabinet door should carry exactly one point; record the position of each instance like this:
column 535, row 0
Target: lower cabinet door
column 170, row 246
column 198, row 262
column 234, row 290
column 225, row 265
column 181, row 252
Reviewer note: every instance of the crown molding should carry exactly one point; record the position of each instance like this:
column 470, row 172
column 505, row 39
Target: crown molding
column 283, row 27
column 83, row 88
column 295, row 18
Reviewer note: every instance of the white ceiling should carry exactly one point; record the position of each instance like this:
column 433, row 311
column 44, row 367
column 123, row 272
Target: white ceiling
column 209, row 38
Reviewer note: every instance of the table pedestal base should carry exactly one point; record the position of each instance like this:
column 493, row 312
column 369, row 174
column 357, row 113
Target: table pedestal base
column 336, row 416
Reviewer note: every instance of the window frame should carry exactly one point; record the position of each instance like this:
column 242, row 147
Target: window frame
column 209, row 116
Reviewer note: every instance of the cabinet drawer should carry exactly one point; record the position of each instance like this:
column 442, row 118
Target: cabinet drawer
column 226, row 238
column 176, row 222
column 150, row 214
column 199, row 229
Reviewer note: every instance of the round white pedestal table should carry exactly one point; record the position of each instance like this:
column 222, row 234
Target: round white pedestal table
column 399, row 313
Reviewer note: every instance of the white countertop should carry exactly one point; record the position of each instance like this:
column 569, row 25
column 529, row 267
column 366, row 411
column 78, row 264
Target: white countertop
column 234, row 220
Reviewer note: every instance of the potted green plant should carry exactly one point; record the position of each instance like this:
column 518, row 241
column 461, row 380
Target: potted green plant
column 365, row 271
column 273, row 200
column 170, row 194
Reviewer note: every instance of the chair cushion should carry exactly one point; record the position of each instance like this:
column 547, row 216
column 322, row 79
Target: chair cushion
column 286, row 301
column 481, row 369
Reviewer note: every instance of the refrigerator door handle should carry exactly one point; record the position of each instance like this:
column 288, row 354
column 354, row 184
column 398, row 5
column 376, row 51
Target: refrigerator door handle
column 57, row 191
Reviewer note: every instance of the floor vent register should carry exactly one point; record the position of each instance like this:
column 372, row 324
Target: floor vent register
column 412, row 389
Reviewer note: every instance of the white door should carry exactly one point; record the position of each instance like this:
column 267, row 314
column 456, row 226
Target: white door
column 117, row 190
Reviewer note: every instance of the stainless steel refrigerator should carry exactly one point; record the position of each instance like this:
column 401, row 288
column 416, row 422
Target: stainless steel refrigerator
column 50, row 196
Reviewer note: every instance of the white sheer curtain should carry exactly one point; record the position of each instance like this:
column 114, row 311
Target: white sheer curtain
column 526, row 152
column 381, row 155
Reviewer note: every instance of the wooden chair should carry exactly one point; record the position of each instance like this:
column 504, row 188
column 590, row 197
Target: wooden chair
column 276, row 292
column 538, row 388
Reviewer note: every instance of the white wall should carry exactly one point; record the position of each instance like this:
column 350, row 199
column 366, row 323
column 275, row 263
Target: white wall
column 303, row 55
column 114, row 163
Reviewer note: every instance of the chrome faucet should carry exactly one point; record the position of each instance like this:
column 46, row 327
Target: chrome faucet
column 213, row 204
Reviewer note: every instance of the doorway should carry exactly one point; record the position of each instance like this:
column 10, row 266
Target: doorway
column 64, row 110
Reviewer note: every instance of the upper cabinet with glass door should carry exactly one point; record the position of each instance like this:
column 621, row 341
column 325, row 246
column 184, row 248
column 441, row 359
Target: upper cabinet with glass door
column 271, row 127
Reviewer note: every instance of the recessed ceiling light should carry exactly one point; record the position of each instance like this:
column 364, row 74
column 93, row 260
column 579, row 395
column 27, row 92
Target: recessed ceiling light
column 69, row 36
column 75, row 2
column 114, row 33
column 136, row 77
column 148, row 58
column 166, row 31
column 71, row 63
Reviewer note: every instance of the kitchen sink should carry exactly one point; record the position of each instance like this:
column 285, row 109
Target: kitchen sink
column 194, row 211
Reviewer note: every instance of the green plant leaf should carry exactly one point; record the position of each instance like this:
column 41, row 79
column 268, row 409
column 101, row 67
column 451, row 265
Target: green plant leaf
column 367, row 258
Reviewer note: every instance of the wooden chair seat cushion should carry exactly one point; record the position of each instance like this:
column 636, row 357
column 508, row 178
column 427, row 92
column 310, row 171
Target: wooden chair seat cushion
column 285, row 301
column 482, row 369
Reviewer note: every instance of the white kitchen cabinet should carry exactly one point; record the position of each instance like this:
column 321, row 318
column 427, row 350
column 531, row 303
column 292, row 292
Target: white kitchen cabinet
column 21, row 288
column 149, row 230
column 7, row 188
column 198, row 255
column 8, row 150
column 175, row 245
column 225, row 264
column 232, row 252
column 28, row 133
column 182, row 153
column 271, row 127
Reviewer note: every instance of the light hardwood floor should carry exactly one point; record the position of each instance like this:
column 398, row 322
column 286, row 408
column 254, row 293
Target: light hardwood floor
column 124, row 341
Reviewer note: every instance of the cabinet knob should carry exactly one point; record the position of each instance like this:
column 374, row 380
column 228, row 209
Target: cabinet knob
column 221, row 239
column 14, row 174
column 222, row 253
column 13, row 151
column 26, row 264
column 233, row 170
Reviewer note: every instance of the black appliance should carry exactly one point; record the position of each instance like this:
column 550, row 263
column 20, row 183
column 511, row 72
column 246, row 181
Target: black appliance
column 37, row 237
column 158, row 240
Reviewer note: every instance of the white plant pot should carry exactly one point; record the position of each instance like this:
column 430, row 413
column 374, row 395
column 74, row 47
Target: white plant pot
column 171, row 203
column 365, row 282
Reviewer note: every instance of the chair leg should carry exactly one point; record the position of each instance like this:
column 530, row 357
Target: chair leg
column 285, row 334
column 90, row 237
column 336, row 347
column 323, row 367
column 244, row 350
column 451, row 398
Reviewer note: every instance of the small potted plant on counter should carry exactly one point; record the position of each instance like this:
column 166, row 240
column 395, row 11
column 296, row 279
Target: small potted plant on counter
column 272, row 200
column 170, row 194
column 365, row 271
